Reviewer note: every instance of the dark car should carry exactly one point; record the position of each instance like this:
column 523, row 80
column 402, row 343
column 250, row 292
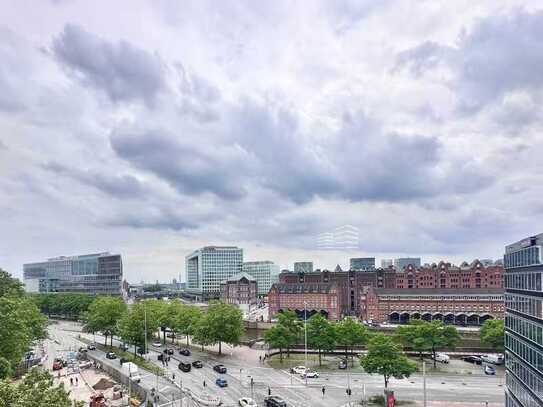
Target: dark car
column 91, row 346
column 219, row 368
column 274, row 401
column 490, row 370
column 221, row 382
column 111, row 355
column 198, row 364
column 184, row 352
column 184, row 367
column 472, row 359
column 123, row 360
column 342, row 364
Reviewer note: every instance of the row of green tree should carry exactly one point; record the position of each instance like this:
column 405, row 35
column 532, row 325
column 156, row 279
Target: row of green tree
column 220, row 323
column 64, row 305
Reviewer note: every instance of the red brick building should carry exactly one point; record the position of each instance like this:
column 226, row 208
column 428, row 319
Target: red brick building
column 452, row 306
column 241, row 289
column 311, row 298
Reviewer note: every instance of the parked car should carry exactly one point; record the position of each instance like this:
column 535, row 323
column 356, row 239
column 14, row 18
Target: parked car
column 298, row 369
column 219, row 368
column 442, row 357
column 221, row 382
column 91, row 346
column 342, row 364
column 494, row 358
column 111, row 355
column 184, row 367
column 123, row 347
column 490, row 370
column 198, row 364
column 311, row 374
column 157, row 344
column 184, row 352
column 472, row 359
column 274, row 401
column 247, row 402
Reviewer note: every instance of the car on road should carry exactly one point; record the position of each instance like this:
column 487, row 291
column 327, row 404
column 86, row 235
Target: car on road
column 472, row 359
column 184, row 352
column 157, row 344
column 198, row 364
column 184, row 367
column 221, row 382
column 342, row 364
column 274, row 401
column 490, row 370
column 91, row 346
column 494, row 358
column 247, row 402
column 298, row 369
column 111, row 355
column 442, row 357
column 310, row 374
column 219, row 368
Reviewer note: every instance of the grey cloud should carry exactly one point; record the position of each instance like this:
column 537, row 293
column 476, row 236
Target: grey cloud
column 499, row 55
column 121, row 70
column 119, row 186
column 153, row 219
column 191, row 170
column 3, row 145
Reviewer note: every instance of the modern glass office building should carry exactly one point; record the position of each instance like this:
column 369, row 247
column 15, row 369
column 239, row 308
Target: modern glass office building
column 303, row 267
column 99, row 273
column 205, row 268
column 362, row 264
column 524, row 323
column 401, row 263
column 265, row 272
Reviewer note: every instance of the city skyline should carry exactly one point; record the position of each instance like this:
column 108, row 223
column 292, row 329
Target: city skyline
column 266, row 126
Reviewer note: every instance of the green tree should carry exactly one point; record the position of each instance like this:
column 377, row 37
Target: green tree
column 187, row 320
column 224, row 323
column 492, row 333
column 351, row 333
column 35, row 390
column 411, row 336
column 385, row 357
column 133, row 323
column 65, row 305
column 293, row 328
column 104, row 315
column 277, row 337
column 321, row 335
column 437, row 335
column 10, row 285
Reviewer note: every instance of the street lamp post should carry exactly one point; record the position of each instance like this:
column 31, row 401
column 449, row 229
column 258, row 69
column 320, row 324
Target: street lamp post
column 305, row 338
column 145, row 329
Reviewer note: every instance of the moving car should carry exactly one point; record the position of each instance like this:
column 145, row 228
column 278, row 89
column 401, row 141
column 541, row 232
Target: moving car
column 184, row 367
column 490, row 370
column 111, row 355
column 91, row 346
column 274, row 401
column 494, row 358
column 247, row 402
column 157, row 344
column 184, row 352
column 198, row 364
column 219, row 368
column 310, row 374
column 221, row 382
column 298, row 369
column 472, row 359
column 442, row 357
column 342, row 364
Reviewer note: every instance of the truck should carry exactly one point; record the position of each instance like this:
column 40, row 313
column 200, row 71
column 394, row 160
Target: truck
column 131, row 370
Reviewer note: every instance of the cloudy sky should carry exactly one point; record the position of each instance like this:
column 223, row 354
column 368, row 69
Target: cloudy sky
column 151, row 128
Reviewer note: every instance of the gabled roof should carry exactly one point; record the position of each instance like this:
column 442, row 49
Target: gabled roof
column 239, row 276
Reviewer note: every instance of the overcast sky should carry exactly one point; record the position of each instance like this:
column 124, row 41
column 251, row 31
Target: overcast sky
column 150, row 128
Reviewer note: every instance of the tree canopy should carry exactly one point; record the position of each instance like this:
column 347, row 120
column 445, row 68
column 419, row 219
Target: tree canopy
column 277, row 337
column 66, row 305
column 10, row 285
column 492, row 334
column 186, row 320
column 385, row 357
column 321, row 335
column 104, row 315
column 132, row 324
column 351, row 333
column 221, row 323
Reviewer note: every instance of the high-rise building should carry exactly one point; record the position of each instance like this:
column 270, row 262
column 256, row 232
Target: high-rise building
column 99, row 273
column 386, row 263
column 524, row 322
column 363, row 264
column 303, row 267
column 401, row 263
column 208, row 266
column 265, row 272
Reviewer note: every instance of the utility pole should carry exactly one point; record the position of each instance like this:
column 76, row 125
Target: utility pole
column 305, row 338
column 129, row 382
column 424, row 383
column 145, row 329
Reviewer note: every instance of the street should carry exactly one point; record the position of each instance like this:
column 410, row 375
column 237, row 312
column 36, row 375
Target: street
column 473, row 388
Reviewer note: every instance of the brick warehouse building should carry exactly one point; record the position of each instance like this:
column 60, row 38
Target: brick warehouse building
column 471, row 306
column 340, row 293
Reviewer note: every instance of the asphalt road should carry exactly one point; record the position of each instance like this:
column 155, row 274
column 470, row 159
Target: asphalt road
column 476, row 389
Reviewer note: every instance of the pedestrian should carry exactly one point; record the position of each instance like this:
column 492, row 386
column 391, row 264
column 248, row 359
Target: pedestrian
column 323, row 391
column 71, row 381
column 204, row 383
column 76, row 381
column 269, row 391
column 260, row 358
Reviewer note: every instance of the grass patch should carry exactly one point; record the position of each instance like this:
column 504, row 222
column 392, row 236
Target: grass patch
column 297, row 359
column 138, row 360
column 380, row 401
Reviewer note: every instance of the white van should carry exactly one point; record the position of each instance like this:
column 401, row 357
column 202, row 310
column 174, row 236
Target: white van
column 494, row 358
column 442, row 357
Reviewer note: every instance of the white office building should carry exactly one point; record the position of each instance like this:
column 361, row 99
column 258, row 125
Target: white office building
column 206, row 267
column 265, row 272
